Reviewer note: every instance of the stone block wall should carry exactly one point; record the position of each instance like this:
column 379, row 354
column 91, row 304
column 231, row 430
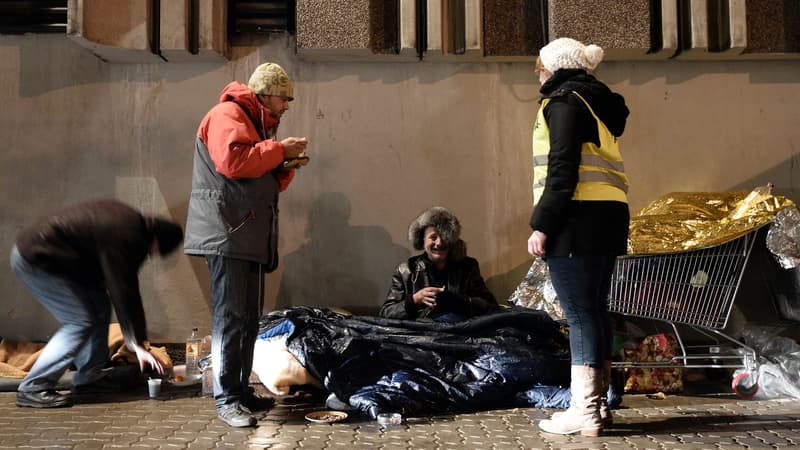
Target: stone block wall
column 773, row 27
column 453, row 30
column 114, row 30
column 333, row 25
column 512, row 29
column 623, row 29
column 130, row 31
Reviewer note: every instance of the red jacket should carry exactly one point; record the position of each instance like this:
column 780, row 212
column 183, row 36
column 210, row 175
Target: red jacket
column 239, row 134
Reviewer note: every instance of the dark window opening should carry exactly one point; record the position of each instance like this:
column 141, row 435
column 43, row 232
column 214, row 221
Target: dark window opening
column 33, row 16
column 261, row 16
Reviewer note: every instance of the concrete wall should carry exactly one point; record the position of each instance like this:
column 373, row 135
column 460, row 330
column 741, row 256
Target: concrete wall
column 387, row 141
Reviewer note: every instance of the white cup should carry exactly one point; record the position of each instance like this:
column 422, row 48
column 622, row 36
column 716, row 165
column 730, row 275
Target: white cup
column 390, row 419
column 154, row 387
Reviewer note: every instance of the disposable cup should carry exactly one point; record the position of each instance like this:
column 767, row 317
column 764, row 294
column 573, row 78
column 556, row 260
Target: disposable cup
column 154, row 387
column 390, row 419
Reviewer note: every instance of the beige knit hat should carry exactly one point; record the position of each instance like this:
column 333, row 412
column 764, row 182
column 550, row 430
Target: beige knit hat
column 566, row 53
column 271, row 79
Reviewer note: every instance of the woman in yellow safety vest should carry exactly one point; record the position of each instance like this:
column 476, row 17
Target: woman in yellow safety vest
column 580, row 217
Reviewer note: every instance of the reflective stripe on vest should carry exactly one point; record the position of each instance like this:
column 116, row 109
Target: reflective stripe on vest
column 601, row 174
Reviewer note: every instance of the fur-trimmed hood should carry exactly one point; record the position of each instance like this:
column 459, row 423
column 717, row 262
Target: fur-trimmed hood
column 446, row 223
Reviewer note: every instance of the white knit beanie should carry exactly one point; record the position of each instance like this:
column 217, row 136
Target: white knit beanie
column 566, row 53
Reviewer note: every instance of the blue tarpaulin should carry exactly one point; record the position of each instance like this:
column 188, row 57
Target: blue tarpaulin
column 516, row 357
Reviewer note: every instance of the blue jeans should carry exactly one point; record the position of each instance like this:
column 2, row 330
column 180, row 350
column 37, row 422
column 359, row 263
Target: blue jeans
column 237, row 298
column 84, row 313
column 582, row 284
column 450, row 318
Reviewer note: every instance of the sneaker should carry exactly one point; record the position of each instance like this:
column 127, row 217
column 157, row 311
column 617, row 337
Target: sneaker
column 236, row 417
column 43, row 399
column 252, row 403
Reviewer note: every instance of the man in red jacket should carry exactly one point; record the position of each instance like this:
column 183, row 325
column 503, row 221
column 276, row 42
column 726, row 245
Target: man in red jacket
column 78, row 263
column 239, row 170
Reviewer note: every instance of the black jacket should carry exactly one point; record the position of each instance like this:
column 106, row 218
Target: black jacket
column 578, row 227
column 100, row 244
column 466, row 293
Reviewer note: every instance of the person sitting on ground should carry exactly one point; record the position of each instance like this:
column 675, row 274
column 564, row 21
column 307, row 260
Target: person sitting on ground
column 78, row 263
column 443, row 283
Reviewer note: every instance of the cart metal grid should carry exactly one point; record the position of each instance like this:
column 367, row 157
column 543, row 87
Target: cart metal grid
column 696, row 289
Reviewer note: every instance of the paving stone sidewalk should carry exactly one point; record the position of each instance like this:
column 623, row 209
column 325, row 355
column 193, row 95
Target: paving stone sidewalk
column 181, row 419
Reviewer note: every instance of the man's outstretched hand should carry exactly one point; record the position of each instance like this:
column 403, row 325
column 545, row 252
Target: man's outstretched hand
column 148, row 359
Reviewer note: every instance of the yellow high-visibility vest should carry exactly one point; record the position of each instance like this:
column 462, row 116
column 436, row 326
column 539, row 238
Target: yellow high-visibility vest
column 601, row 174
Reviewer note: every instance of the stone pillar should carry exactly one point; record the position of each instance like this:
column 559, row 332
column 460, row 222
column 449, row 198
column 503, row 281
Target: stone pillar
column 433, row 25
column 212, row 30
column 669, row 31
column 714, row 29
column 175, row 30
column 454, row 29
column 473, row 29
column 408, row 30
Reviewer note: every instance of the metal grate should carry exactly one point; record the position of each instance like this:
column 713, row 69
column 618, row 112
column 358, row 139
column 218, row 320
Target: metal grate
column 261, row 16
column 33, row 16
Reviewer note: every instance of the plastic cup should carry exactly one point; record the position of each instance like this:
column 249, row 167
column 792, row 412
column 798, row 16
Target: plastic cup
column 390, row 419
column 154, row 387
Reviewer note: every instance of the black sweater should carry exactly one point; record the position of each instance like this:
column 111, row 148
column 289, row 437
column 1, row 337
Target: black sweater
column 100, row 244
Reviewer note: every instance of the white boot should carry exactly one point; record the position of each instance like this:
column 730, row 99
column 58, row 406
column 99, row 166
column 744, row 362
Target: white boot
column 605, row 413
column 583, row 415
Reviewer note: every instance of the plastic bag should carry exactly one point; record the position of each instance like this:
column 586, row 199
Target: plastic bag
column 536, row 291
column 778, row 372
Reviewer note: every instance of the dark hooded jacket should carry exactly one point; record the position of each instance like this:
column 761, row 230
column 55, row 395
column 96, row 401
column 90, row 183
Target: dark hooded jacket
column 578, row 227
column 99, row 245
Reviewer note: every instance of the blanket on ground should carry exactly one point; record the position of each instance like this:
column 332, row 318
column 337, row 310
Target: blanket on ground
column 516, row 357
column 17, row 357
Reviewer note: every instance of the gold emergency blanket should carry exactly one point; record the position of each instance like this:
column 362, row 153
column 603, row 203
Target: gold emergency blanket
column 683, row 221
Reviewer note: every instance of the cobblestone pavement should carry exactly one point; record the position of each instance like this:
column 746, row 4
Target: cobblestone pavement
column 181, row 419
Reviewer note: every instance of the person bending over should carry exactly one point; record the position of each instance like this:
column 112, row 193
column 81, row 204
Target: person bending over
column 78, row 263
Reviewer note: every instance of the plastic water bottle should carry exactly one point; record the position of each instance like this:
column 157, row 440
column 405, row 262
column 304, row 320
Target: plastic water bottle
column 193, row 344
column 206, row 371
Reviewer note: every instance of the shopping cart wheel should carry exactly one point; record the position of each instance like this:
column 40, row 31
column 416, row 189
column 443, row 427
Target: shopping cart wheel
column 745, row 385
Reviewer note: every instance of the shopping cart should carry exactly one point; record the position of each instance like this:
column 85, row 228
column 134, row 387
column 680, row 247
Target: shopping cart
column 695, row 289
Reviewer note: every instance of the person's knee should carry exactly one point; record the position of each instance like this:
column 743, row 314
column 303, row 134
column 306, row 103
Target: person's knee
column 81, row 329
